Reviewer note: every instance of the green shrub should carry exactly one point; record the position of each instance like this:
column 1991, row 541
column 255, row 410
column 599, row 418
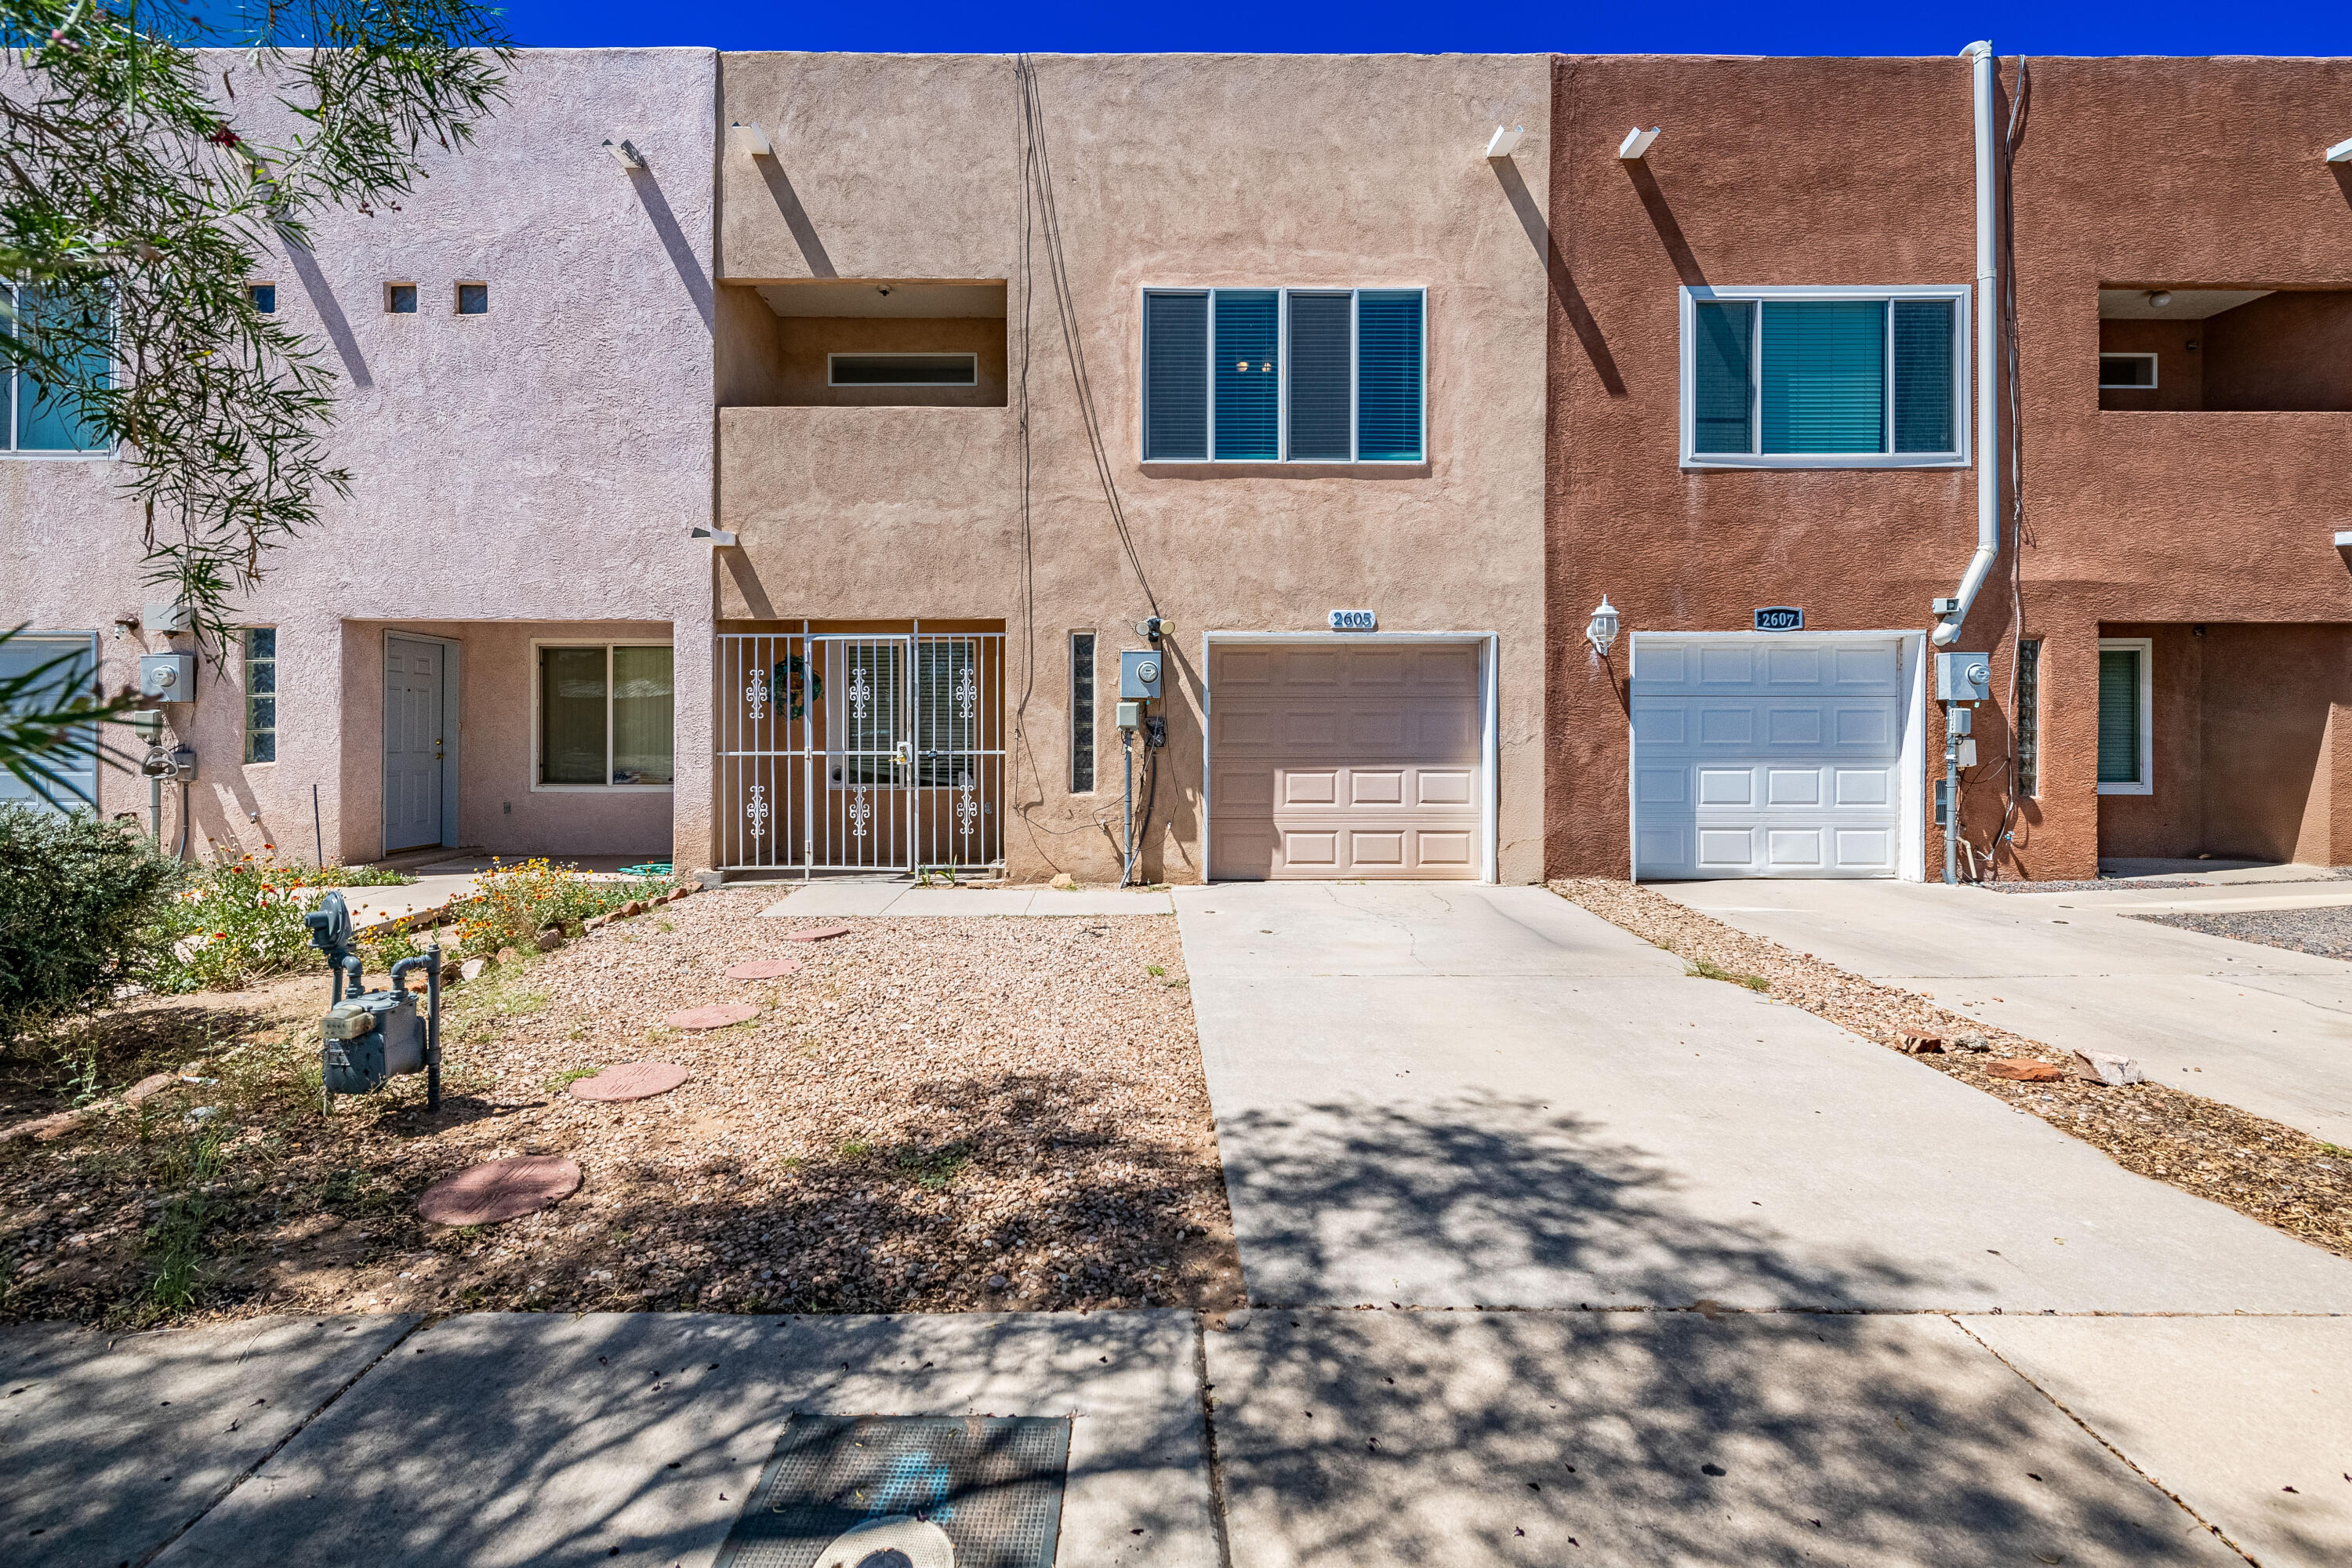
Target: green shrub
column 234, row 922
column 80, row 899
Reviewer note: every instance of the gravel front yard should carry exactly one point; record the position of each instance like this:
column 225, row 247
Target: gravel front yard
column 2263, row 1170
column 933, row 1114
column 2327, row 932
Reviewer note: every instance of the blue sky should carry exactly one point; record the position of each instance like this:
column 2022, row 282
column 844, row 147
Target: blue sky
column 1826, row 27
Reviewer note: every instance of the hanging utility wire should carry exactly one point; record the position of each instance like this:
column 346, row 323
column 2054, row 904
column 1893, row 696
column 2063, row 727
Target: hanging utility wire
column 1041, row 170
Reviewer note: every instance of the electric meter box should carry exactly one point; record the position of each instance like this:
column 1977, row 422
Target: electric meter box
column 169, row 676
column 1964, row 678
column 1139, row 675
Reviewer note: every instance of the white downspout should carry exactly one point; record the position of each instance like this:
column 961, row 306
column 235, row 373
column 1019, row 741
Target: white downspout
column 1954, row 610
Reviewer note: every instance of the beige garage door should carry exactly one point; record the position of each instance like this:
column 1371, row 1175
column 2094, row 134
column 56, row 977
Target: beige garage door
column 1345, row 760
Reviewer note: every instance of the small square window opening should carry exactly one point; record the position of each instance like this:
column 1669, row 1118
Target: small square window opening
column 399, row 299
column 264, row 297
column 473, row 299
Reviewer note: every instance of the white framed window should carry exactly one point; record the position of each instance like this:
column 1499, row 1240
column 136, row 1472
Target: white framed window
column 2133, row 372
column 902, row 370
column 1285, row 375
column 260, row 694
column 1806, row 377
column 2127, row 716
column 33, row 421
column 54, row 667
column 601, row 716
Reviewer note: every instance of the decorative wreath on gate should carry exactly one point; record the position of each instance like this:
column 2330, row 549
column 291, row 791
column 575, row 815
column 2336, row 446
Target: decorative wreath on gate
column 799, row 684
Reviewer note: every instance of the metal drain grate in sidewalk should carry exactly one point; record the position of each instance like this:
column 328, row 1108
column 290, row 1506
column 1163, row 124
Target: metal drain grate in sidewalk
column 993, row 1483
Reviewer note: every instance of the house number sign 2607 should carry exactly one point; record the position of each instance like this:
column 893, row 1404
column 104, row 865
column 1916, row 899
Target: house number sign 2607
column 1781, row 619
column 1354, row 621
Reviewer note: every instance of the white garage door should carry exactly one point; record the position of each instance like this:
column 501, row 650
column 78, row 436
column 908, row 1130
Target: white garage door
column 1345, row 760
column 1768, row 757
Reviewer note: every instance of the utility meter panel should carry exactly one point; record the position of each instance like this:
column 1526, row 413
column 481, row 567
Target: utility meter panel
column 1964, row 678
column 1139, row 675
column 170, row 676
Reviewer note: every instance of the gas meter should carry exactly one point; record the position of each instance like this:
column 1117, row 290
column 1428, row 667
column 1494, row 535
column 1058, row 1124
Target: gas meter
column 369, row 1037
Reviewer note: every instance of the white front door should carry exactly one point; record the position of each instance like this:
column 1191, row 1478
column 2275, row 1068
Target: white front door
column 414, row 673
column 1768, row 756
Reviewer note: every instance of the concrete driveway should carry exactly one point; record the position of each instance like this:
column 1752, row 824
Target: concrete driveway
column 1462, row 1096
column 2260, row 1027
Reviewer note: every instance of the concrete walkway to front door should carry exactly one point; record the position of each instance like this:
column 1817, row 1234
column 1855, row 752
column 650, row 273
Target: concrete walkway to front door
column 2263, row 1029
column 1458, row 1096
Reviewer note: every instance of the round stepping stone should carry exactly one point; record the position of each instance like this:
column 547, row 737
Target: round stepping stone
column 500, row 1190
column 817, row 935
column 717, row 1016
column 764, row 969
column 630, row 1081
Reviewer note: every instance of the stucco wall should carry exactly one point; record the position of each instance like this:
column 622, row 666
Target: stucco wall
column 1363, row 171
column 540, row 463
column 2288, row 349
column 1844, row 171
column 1769, row 172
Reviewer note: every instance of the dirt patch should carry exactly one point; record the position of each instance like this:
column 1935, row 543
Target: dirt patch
column 2263, row 1170
column 932, row 1114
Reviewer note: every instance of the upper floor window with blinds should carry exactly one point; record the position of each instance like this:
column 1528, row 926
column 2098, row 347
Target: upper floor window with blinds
column 1825, row 378
column 1283, row 376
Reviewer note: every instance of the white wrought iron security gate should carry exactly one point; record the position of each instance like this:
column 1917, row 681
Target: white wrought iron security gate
column 861, row 752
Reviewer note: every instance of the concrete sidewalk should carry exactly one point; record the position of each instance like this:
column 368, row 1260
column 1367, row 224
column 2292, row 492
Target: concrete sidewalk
column 1273, row 1438
column 1451, row 1096
column 2260, row 1027
column 825, row 899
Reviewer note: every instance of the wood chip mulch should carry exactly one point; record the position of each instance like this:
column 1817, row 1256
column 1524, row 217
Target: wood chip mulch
column 932, row 1115
column 2263, row 1170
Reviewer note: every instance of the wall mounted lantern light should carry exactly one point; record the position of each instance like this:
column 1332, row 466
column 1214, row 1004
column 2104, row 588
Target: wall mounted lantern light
column 1505, row 141
column 2341, row 152
column 752, row 138
column 624, row 153
column 1600, row 631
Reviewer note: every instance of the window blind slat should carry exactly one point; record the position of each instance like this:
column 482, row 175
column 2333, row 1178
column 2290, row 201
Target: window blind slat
column 1176, row 377
column 1923, row 375
column 1320, row 374
column 2119, row 738
column 1387, row 375
column 1247, row 375
column 1824, row 376
column 1720, row 419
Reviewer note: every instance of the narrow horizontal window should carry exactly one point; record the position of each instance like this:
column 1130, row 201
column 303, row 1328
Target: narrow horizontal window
column 1300, row 375
column 903, row 370
column 1823, row 377
column 2127, row 370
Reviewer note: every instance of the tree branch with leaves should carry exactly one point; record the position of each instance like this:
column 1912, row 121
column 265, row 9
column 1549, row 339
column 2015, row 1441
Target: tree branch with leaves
column 150, row 156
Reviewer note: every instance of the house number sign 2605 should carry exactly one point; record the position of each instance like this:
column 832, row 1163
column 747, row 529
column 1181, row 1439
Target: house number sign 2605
column 1354, row 621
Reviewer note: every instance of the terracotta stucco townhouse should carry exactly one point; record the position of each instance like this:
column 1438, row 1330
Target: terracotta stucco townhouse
column 1764, row 383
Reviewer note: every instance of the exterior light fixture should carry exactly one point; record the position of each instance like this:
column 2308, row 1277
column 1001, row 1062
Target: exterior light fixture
column 1637, row 143
column 704, row 535
column 1503, row 143
column 2341, row 152
column 2157, row 298
column 1600, row 631
column 626, row 154
column 753, row 140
